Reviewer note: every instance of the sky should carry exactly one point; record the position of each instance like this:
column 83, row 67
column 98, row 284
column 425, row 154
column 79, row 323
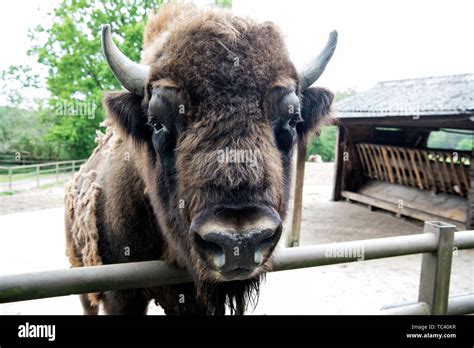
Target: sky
column 378, row 40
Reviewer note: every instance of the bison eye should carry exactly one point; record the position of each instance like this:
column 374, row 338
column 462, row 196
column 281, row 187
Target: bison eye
column 161, row 138
column 155, row 126
column 163, row 141
column 295, row 119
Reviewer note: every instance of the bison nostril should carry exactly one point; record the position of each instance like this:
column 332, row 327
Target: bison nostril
column 264, row 246
column 235, row 240
column 209, row 251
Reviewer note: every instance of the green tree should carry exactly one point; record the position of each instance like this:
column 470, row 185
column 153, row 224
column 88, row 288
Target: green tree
column 21, row 131
column 70, row 48
column 339, row 95
column 450, row 140
column 466, row 144
column 14, row 80
column 224, row 3
column 325, row 144
column 78, row 75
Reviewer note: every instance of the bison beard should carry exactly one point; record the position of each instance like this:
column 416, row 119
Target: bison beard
column 208, row 298
column 190, row 99
column 235, row 295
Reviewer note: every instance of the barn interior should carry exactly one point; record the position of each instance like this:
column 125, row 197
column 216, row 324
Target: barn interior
column 386, row 157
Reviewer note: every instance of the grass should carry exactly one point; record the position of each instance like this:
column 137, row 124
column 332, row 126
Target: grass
column 7, row 193
column 31, row 176
column 53, row 184
column 22, row 176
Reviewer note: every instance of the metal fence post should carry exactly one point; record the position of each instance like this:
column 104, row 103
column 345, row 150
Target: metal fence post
column 436, row 268
column 57, row 172
column 73, row 168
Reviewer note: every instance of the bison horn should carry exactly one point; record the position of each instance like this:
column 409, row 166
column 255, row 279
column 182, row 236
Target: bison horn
column 315, row 68
column 131, row 75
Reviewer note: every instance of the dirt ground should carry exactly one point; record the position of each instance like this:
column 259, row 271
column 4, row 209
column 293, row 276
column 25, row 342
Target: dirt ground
column 32, row 239
column 33, row 199
column 324, row 221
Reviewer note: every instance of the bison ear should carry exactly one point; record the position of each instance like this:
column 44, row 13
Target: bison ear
column 316, row 109
column 126, row 110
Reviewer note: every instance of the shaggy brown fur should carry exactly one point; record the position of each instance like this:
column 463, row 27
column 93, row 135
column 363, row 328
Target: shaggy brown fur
column 231, row 76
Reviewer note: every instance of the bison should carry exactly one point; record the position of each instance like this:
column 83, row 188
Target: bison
column 194, row 167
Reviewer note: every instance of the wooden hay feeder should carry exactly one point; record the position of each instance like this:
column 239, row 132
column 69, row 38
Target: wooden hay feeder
column 384, row 158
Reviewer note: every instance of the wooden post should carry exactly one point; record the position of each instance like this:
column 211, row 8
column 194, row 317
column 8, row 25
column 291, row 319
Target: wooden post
column 9, row 179
column 57, row 172
column 37, row 175
column 294, row 235
column 339, row 165
column 73, row 168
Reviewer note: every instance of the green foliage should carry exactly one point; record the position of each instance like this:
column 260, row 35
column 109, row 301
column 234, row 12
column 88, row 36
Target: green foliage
column 451, row 141
column 14, row 80
column 339, row 95
column 78, row 74
column 7, row 193
column 224, row 3
column 325, row 144
column 466, row 144
column 22, row 131
column 70, row 48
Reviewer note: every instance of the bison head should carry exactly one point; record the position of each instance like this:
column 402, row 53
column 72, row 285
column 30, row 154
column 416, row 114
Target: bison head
column 213, row 112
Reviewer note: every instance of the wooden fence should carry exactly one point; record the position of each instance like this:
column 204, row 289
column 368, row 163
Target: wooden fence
column 33, row 175
column 426, row 169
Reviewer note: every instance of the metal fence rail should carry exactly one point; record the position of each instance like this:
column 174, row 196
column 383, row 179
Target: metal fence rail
column 460, row 304
column 437, row 244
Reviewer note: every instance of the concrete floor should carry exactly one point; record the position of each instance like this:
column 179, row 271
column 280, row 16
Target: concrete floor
column 34, row 241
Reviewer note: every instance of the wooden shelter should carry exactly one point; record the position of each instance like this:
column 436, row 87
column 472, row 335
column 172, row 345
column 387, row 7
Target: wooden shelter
column 383, row 155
